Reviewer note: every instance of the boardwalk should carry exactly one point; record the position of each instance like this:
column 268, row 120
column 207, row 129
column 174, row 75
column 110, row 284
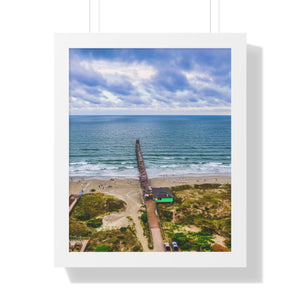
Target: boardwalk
column 76, row 198
column 78, row 245
column 153, row 219
column 151, row 212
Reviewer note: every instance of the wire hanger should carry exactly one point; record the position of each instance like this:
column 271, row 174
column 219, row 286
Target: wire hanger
column 210, row 15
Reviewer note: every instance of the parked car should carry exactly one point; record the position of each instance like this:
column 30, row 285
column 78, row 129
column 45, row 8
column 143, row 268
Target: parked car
column 175, row 246
column 167, row 247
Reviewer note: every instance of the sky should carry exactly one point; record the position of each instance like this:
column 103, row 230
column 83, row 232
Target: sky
column 150, row 81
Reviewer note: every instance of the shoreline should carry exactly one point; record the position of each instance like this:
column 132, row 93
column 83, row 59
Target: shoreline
column 112, row 184
column 187, row 176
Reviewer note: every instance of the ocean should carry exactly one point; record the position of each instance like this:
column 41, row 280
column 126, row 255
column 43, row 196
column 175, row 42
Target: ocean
column 104, row 146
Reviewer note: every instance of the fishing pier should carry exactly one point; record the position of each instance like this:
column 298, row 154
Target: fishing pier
column 150, row 203
column 145, row 185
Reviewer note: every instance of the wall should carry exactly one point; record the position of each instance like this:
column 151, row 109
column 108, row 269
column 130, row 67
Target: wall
column 26, row 76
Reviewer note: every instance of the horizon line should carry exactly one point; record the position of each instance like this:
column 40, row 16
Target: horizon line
column 152, row 115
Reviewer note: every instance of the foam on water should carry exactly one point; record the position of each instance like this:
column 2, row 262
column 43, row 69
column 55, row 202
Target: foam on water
column 83, row 169
column 104, row 146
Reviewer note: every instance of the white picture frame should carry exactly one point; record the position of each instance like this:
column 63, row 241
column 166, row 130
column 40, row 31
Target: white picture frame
column 238, row 255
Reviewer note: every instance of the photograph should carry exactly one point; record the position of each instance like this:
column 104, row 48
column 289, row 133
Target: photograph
column 150, row 150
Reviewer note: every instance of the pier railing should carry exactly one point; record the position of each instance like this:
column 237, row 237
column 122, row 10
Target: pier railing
column 145, row 185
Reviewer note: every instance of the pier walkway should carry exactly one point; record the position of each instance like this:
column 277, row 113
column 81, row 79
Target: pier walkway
column 76, row 198
column 153, row 219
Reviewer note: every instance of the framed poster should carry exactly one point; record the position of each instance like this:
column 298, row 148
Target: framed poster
column 150, row 150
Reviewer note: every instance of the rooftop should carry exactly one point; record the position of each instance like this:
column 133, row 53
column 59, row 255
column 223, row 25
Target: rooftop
column 162, row 192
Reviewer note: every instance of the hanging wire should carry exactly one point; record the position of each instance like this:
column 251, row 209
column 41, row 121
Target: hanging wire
column 210, row 16
column 90, row 11
column 210, row 12
column 99, row 15
column 219, row 16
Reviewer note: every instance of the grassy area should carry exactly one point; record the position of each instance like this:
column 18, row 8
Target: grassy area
column 145, row 225
column 86, row 220
column 123, row 239
column 93, row 205
column 192, row 241
column 78, row 228
column 198, row 213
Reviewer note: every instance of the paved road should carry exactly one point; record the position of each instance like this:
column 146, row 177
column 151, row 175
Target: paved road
column 157, row 240
column 154, row 226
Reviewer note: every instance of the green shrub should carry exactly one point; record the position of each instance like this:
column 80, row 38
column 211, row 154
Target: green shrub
column 181, row 187
column 144, row 217
column 102, row 248
column 228, row 244
column 93, row 205
column 146, row 230
column 204, row 242
column 184, row 242
column 101, row 240
column 95, row 223
column 136, row 248
column 206, row 186
column 78, row 228
column 83, row 217
column 204, row 233
column 167, row 215
column 227, row 186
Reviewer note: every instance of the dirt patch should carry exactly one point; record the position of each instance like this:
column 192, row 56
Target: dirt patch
column 219, row 240
column 115, row 220
column 192, row 228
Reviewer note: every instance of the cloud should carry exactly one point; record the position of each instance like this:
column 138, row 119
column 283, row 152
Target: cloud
column 137, row 81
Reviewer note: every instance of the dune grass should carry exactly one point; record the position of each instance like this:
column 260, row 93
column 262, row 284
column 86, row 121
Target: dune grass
column 93, row 205
column 205, row 207
column 86, row 220
column 146, row 229
column 117, row 240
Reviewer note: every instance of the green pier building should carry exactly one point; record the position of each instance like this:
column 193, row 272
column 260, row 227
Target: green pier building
column 162, row 194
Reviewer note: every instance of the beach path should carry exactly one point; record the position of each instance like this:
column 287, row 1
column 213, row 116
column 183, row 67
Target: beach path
column 133, row 199
column 157, row 240
column 154, row 226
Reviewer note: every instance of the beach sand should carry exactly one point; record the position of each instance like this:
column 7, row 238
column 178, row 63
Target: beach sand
column 129, row 191
column 174, row 181
column 122, row 184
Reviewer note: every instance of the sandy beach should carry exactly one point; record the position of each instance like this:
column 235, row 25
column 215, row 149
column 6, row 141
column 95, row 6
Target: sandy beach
column 124, row 185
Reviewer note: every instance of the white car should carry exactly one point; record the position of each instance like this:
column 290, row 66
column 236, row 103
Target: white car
column 167, row 247
column 175, row 247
